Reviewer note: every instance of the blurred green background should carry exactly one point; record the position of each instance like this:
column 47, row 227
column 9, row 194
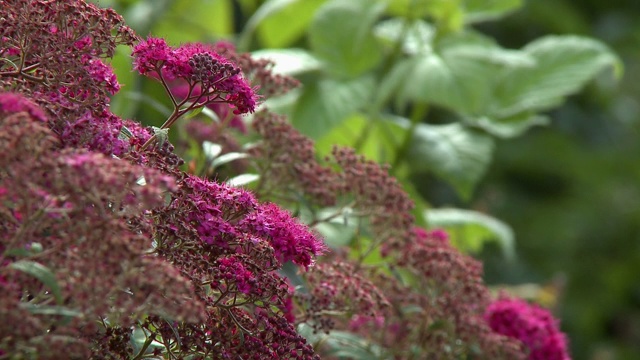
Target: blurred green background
column 569, row 190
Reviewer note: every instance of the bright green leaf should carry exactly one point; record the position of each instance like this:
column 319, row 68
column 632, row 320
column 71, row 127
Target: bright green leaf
column 42, row 273
column 381, row 137
column 213, row 18
column 455, row 153
column 469, row 230
column 485, row 10
column 326, row 103
column 564, row 64
column 296, row 15
column 341, row 35
column 122, row 65
column 448, row 14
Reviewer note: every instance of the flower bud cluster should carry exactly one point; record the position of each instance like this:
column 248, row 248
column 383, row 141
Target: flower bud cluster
column 210, row 77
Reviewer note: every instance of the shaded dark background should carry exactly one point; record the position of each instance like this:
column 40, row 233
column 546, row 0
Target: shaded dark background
column 571, row 190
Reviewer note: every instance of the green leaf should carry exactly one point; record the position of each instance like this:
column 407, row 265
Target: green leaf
column 42, row 273
column 564, row 64
column 50, row 310
column 122, row 65
column 289, row 61
column 341, row 35
column 295, row 14
column 325, row 103
column 455, row 153
column 458, row 75
column 211, row 150
column 243, row 179
column 351, row 346
column 448, row 14
column 193, row 113
column 227, row 158
column 336, row 235
column 412, row 9
column 485, row 10
column 508, row 127
column 469, row 230
column 381, row 137
column 181, row 23
column 417, row 39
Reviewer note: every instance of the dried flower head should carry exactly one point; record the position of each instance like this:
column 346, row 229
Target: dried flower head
column 56, row 48
column 288, row 164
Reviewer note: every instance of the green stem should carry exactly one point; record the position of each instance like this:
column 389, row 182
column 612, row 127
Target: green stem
column 417, row 114
column 377, row 106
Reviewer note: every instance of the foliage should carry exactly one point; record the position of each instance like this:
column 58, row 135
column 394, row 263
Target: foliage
column 194, row 267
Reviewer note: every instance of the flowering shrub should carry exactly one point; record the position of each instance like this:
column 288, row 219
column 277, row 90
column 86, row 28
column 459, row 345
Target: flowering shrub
column 110, row 250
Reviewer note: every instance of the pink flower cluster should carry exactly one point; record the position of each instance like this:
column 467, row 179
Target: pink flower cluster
column 210, row 77
column 532, row 325
column 291, row 240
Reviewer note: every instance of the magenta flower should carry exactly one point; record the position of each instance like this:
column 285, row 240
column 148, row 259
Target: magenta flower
column 150, row 55
column 210, row 78
column 532, row 325
column 102, row 73
column 291, row 240
column 15, row 103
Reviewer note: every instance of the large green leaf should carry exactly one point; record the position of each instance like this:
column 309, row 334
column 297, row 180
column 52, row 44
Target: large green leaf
column 295, row 14
column 341, row 35
column 485, row 10
column 564, row 64
column 469, row 230
column 455, row 153
column 459, row 74
column 325, row 103
column 42, row 273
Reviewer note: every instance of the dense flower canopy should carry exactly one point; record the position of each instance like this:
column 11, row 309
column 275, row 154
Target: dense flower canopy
column 110, row 249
